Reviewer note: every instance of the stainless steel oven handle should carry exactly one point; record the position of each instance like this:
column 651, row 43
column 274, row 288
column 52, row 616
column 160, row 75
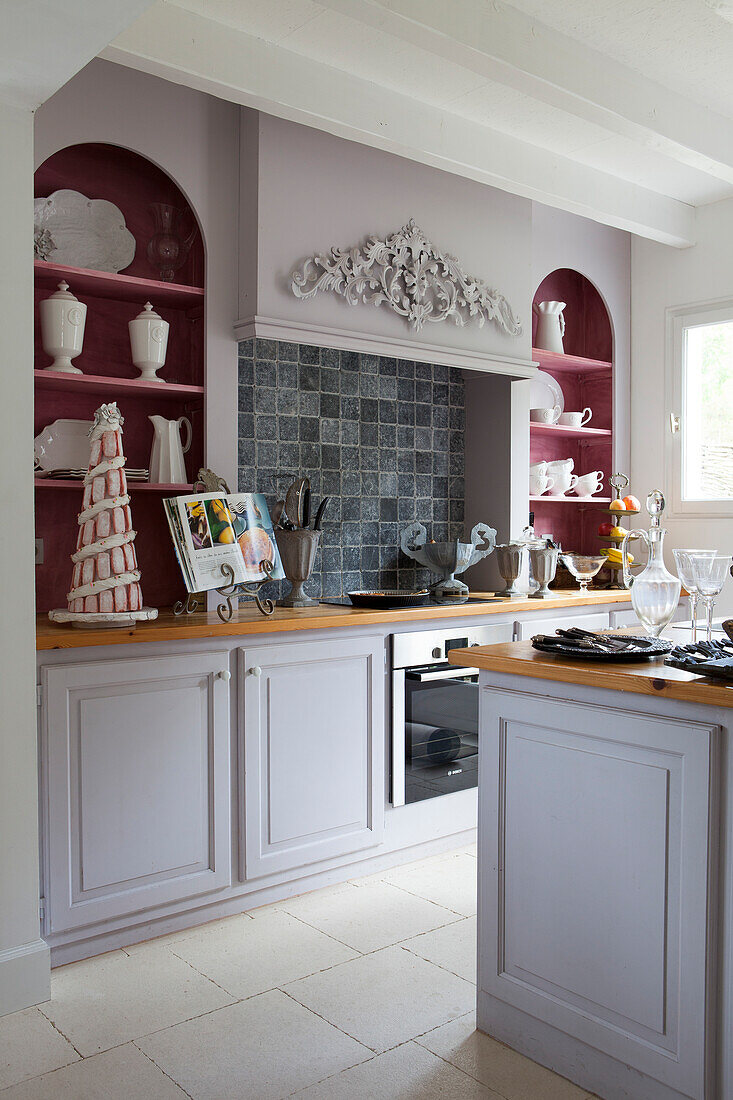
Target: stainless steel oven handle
column 398, row 737
column 442, row 674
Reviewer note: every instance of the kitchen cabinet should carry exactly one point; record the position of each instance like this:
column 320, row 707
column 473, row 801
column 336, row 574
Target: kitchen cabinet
column 535, row 624
column 312, row 744
column 136, row 774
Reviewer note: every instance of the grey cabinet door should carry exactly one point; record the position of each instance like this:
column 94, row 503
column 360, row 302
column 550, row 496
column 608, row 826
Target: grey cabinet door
column 596, row 880
column 136, row 764
column 312, row 745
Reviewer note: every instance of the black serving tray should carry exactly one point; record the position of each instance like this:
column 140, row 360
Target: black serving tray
column 641, row 649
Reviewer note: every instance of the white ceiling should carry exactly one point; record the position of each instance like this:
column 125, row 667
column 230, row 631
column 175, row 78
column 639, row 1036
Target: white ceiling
column 628, row 104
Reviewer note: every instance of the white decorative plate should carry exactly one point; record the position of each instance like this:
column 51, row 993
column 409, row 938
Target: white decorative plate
column 63, row 445
column 71, row 229
column 545, row 392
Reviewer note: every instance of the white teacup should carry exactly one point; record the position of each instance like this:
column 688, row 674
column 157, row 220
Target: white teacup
column 538, row 468
column 564, row 482
column 561, row 464
column 539, row 484
column 589, row 484
column 574, row 419
column 544, row 415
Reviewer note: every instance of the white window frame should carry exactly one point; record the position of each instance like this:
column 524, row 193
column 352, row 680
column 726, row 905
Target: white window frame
column 678, row 320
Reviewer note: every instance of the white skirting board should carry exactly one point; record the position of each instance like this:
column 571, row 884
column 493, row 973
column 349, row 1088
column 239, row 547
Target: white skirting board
column 25, row 976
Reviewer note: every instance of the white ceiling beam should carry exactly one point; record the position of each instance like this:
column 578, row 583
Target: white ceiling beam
column 187, row 49
column 508, row 46
column 44, row 43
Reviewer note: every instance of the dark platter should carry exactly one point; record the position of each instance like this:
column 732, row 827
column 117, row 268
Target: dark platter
column 639, row 649
column 389, row 598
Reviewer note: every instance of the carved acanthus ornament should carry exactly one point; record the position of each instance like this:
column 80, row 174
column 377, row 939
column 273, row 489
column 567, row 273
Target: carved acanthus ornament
column 410, row 275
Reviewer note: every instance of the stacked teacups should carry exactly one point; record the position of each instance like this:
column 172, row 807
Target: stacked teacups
column 539, row 482
column 588, row 485
column 563, row 478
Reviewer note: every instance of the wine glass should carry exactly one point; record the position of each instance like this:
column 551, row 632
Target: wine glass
column 711, row 576
column 583, row 567
column 688, row 563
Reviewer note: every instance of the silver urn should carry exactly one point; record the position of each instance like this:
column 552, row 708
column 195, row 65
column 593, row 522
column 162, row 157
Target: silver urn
column 447, row 558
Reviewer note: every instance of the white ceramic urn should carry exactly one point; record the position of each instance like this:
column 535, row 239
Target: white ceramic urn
column 62, row 328
column 148, row 342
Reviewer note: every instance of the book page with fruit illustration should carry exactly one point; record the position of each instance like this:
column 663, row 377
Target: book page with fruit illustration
column 212, row 529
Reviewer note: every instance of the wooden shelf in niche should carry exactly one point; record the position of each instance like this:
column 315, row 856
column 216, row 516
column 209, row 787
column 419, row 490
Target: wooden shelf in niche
column 547, row 499
column 107, row 385
column 576, row 433
column 573, row 364
column 121, row 287
column 132, row 486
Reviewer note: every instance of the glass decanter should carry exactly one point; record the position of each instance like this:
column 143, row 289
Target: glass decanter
column 168, row 249
column 655, row 593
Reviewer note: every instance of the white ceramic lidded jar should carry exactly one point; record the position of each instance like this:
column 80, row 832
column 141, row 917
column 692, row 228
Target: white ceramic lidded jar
column 148, row 342
column 63, row 318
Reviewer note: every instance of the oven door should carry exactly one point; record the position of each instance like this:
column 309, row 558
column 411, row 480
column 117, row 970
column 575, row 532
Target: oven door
column 435, row 732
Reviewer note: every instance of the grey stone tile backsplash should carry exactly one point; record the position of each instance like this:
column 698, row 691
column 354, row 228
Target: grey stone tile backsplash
column 382, row 437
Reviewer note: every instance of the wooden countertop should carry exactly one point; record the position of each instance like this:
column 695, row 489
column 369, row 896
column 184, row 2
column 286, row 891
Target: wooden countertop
column 207, row 624
column 642, row 678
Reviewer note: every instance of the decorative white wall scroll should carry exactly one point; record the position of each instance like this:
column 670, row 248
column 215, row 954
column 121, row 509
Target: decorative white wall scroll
column 410, row 275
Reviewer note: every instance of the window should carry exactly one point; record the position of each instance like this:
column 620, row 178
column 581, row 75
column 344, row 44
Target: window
column 701, row 411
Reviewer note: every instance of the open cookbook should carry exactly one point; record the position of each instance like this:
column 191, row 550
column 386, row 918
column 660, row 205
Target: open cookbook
column 213, row 529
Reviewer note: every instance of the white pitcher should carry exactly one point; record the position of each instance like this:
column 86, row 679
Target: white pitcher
column 167, row 466
column 550, row 325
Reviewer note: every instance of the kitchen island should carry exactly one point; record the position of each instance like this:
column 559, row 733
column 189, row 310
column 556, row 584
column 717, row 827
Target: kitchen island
column 606, row 871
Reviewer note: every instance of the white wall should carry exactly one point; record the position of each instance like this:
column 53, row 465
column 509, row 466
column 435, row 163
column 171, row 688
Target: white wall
column 24, row 960
column 316, row 191
column 195, row 139
column 661, row 278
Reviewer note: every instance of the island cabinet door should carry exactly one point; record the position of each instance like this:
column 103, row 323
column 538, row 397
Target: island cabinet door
column 137, row 775
column 312, row 745
column 596, row 890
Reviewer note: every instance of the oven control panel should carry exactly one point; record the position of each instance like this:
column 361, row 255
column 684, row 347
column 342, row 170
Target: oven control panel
column 424, row 647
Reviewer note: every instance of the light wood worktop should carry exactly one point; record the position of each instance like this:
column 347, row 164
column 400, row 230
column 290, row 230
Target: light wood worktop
column 248, row 620
column 643, row 677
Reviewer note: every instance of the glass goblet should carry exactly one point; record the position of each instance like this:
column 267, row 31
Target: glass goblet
column 583, row 567
column 711, row 576
column 688, row 563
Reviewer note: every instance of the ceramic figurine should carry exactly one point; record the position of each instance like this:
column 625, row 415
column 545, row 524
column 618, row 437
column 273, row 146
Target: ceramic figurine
column 105, row 583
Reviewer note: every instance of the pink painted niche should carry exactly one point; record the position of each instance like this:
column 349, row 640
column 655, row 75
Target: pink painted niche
column 585, row 375
column 132, row 183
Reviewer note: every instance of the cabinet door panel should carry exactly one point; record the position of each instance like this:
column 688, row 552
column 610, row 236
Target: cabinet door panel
column 313, row 730
column 137, row 772
column 599, row 898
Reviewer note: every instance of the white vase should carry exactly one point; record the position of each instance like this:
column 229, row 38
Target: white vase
column 550, row 326
column 167, row 465
column 62, row 328
column 148, row 342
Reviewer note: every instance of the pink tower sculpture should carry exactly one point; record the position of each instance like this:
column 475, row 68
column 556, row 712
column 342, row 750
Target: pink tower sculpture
column 105, row 581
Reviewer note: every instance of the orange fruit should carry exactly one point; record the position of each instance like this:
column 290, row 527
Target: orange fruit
column 617, row 506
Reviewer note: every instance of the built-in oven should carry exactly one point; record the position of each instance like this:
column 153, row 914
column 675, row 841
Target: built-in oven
column 435, row 712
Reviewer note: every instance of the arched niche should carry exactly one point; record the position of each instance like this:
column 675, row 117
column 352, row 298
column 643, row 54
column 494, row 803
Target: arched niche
column 588, row 327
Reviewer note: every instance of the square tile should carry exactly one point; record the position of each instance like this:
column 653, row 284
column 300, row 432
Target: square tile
column 29, row 1046
column 404, row 1073
column 104, row 1002
column 497, row 1066
column 385, row 998
column 120, row 1074
column 453, row 947
column 368, row 917
column 266, row 1047
column 248, row 956
column 448, row 880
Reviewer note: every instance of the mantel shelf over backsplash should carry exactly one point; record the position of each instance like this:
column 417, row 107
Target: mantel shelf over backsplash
column 365, row 343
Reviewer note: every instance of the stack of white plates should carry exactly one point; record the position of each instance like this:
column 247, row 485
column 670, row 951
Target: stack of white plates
column 66, row 473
